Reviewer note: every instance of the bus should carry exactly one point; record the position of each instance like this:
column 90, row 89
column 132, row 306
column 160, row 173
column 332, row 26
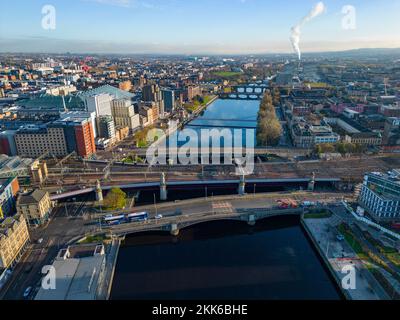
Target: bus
column 137, row 217
column 114, row 220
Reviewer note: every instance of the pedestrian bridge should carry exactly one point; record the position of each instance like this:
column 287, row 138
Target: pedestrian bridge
column 174, row 224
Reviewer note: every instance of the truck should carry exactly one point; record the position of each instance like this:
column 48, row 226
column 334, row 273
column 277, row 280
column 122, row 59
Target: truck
column 287, row 203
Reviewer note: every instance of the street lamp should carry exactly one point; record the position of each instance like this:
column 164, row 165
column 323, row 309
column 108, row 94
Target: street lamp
column 155, row 203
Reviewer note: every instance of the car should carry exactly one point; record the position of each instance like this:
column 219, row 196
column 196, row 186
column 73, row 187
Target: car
column 28, row 269
column 27, row 292
column 40, row 241
column 340, row 237
column 158, row 216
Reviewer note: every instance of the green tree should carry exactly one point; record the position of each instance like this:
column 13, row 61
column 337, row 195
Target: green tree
column 115, row 199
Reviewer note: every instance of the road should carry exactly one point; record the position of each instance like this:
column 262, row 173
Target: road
column 55, row 235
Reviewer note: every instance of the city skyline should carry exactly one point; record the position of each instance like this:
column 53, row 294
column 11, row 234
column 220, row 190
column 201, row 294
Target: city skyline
column 191, row 27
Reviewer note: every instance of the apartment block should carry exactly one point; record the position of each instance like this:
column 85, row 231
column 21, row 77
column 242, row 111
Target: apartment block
column 14, row 237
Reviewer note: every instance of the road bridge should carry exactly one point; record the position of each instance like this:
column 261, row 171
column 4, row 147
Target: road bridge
column 175, row 224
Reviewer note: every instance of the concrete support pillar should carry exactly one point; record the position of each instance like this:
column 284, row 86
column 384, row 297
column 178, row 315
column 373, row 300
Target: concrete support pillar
column 311, row 184
column 174, row 229
column 242, row 186
column 99, row 192
column 251, row 220
column 163, row 188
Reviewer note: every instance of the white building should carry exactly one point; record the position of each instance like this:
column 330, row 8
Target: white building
column 101, row 104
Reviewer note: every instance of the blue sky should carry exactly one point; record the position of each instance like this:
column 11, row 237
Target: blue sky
column 194, row 26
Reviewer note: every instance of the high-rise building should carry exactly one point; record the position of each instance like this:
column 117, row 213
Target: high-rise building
column 169, row 99
column 124, row 115
column 106, row 128
column 100, row 103
column 380, row 195
column 79, row 134
column 152, row 93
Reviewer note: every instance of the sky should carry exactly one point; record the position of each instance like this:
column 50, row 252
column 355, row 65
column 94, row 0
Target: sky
column 195, row 26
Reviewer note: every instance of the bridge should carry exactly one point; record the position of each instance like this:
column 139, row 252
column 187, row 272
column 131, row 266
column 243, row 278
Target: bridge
column 194, row 183
column 177, row 223
column 245, row 92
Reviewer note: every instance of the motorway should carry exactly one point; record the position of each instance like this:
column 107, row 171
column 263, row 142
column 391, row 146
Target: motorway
column 75, row 220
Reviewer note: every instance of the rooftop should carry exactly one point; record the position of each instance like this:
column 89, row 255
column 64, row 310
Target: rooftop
column 78, row 270
column 32, row 197
column 117, row 93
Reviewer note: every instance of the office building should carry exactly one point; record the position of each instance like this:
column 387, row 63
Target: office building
column 106, row 128
column 35, row 206
column 124, row 115
column 35, row 141
column 380, row 195
column 152, row 93
column 14, row 237
column 169, row 100
column 7, row 142
column 101, row 104
column 9, row 188
column 79, row 135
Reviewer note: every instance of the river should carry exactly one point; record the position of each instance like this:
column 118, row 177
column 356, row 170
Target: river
column 223, row 260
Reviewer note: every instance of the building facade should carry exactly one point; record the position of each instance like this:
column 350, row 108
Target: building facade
column 124, row 115
column 35, row 206
column 9, row 188
column 34, row 141
column 380, row 195
column 14, row 237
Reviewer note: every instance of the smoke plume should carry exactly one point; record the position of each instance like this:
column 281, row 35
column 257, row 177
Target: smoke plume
column 318, row 9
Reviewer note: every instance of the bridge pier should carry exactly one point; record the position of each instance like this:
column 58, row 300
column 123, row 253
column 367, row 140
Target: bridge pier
column 99, row 192
column 174, row 230
column 163, row 188
column 242, row 186
column 311, row 184
column 251, row 221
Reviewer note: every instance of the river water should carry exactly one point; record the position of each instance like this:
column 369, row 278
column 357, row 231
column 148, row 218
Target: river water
column 223, row 260
column 238, row 116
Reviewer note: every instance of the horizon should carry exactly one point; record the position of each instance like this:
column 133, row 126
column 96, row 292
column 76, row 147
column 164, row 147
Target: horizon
column 223, row 27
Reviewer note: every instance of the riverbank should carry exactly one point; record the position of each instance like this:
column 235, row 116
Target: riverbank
column 337, row 255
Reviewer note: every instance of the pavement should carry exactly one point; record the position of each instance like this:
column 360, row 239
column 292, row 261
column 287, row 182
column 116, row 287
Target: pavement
column 339, row 255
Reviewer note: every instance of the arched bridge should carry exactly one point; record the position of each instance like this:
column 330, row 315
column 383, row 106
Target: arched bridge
column 245, row 92
column 175, row 224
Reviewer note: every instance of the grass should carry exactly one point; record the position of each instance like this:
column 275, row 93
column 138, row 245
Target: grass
column 196, row 104
column 227, row 74
column 93, row 239
column 318, row 215
column 352, row 241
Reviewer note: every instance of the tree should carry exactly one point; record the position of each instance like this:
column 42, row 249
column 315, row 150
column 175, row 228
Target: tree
column 269, row 129
column 115, row 199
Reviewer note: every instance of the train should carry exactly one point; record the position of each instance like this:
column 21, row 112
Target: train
column 111, row 220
